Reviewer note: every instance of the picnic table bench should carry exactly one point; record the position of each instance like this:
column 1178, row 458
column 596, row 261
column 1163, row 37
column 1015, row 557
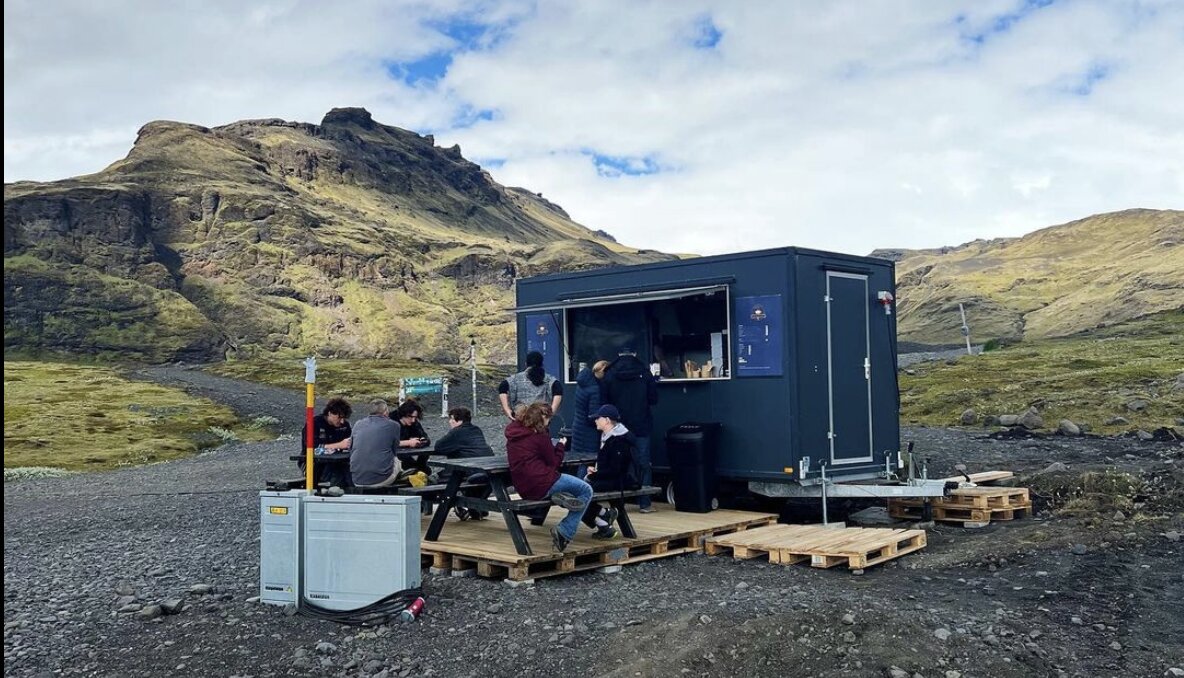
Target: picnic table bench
column 497, row 470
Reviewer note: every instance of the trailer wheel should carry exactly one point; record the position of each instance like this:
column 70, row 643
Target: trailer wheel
column 670, row 497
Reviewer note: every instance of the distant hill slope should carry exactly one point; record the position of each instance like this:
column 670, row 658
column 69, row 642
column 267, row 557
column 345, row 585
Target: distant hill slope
column 344, row 238
column 1099, row 271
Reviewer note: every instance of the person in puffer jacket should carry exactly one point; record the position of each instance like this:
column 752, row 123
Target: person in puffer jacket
column 534, row 470
column 585, row 439
column 616, row 468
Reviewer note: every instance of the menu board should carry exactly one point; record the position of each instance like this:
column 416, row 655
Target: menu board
column 759, row 330
column 542, row 335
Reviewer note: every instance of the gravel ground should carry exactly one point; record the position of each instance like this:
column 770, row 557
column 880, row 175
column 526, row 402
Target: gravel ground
column 1048, row 596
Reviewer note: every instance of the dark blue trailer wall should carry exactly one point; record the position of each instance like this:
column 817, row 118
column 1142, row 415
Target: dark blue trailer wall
column 775, row 401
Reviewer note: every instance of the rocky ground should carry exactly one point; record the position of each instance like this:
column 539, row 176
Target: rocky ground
column 1092, row 586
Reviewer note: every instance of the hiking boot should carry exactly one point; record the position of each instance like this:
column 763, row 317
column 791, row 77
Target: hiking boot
column 567, row 501
column 462, row 513
column 610, row 516
column 605, row 532
column 648, row 509
column 559, row 541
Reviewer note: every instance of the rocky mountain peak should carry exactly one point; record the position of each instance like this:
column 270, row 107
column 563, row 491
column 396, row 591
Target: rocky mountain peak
column 348, row 116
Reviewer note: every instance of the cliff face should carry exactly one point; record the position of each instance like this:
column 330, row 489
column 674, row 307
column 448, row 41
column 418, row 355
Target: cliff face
column 344, row 238
column 1094, row 272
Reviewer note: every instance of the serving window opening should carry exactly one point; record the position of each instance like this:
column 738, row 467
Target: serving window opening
column 680, row 338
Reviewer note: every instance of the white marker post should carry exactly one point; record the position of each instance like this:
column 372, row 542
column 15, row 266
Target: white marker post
column 473, row 369
column 965, row 329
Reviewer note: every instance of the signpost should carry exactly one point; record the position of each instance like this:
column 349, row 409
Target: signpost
column 412, row 386
column 473, row 369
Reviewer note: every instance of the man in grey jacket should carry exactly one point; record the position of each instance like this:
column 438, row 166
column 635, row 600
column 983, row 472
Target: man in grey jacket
column 375, row 441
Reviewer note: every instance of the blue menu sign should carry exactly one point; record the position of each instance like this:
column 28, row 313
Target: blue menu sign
column 542, row 335
column 759, row 329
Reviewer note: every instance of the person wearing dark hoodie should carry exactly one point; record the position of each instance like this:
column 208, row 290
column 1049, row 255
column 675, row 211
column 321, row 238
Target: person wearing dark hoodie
column 629, row 385
column 615, row 469
column 534, row 470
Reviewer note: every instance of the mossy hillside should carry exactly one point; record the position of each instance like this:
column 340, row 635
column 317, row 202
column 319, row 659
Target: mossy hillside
column 1086, row 379
column 86, row 418
column 59, row 308
column 274, row 231
column 1098, row 271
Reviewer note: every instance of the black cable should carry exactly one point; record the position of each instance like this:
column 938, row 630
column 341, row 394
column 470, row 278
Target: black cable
column 375, row 614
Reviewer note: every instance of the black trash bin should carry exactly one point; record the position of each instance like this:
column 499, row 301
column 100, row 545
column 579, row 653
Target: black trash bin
column 692, row 449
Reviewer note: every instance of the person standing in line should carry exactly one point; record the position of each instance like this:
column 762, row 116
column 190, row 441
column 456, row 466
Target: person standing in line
column 372, row 456
column 629, row 385
column 584, row 438
column 531, row 385
column 535, row 471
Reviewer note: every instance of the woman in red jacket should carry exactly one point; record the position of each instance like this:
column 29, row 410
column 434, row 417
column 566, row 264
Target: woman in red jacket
column 534, row 470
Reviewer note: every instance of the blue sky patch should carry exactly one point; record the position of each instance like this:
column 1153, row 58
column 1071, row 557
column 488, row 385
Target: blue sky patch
column 706, row 34
column 999, row 24
column 467, row 116
column 1084, row 84
column 622, row 165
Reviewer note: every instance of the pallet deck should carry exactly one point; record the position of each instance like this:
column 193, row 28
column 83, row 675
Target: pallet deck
column 484, row 548
column 822, row 546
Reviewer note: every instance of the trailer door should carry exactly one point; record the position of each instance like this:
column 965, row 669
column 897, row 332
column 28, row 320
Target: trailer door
column 849, row 367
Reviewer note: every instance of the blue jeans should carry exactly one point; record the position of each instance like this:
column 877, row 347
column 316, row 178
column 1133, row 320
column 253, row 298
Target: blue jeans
column 577, row 488
column 647, row 471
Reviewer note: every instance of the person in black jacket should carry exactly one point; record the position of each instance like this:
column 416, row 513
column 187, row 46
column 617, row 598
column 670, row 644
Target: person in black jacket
column 465, row 440
column 332, row 431
column 616, row 468
column 412, row 434
column 629, row 385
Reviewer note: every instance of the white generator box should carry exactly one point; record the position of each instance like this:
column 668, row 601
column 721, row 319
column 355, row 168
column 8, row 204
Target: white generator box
column 359, row 549
column 279, row 546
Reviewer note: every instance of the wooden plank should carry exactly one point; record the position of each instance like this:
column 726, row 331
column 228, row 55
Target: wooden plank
column 984, row 477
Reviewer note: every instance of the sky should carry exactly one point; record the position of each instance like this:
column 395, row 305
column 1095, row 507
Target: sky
column 685, row 126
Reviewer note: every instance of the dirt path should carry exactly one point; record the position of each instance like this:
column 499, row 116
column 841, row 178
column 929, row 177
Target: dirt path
column 1095, row 595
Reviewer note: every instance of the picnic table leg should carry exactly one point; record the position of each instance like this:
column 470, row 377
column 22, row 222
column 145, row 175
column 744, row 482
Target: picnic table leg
column 623, row 521
column 445, row 506
column 521, row 545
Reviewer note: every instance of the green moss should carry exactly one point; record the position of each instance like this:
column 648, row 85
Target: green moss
column 1084, row 379
column 79, row 417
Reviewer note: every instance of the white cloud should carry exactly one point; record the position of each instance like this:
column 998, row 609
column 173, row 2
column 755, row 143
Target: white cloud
column 844, row 125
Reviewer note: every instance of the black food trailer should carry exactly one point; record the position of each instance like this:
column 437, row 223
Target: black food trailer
column 792, row 351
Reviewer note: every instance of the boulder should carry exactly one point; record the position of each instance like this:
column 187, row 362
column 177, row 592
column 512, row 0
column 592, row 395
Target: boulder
column 1009, row 420
column 969, row 416
column 1137, row 404
column 1031, row 419
column 1116, row 421
column 1068, row 428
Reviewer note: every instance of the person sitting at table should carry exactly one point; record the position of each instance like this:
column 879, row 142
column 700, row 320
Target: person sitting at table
column 411, row 432
column 464, row 440
column 332, row 431
column 375, row 441
column 615, row 470
column 534, row 470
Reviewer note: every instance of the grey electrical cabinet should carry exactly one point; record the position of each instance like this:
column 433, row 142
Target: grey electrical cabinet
column 359, row 549
column 279, row 546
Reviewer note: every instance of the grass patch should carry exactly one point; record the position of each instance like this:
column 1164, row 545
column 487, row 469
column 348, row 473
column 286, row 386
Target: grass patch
column 352, row 378
column 83, row 418
column 1084, row 379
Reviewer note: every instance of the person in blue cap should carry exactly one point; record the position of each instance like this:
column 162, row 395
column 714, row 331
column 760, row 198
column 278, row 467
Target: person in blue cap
column 616, row 468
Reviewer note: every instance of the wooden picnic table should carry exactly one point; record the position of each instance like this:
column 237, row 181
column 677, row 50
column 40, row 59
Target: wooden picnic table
column 416, row 457
column 497, row 470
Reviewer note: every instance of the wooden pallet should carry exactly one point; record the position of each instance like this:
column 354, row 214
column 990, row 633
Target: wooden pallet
column 977, row 507
column 484, row 548
column 823, row 546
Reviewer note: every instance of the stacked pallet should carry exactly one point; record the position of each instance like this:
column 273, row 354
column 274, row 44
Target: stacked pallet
column 820, row 545
column 969, row 506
